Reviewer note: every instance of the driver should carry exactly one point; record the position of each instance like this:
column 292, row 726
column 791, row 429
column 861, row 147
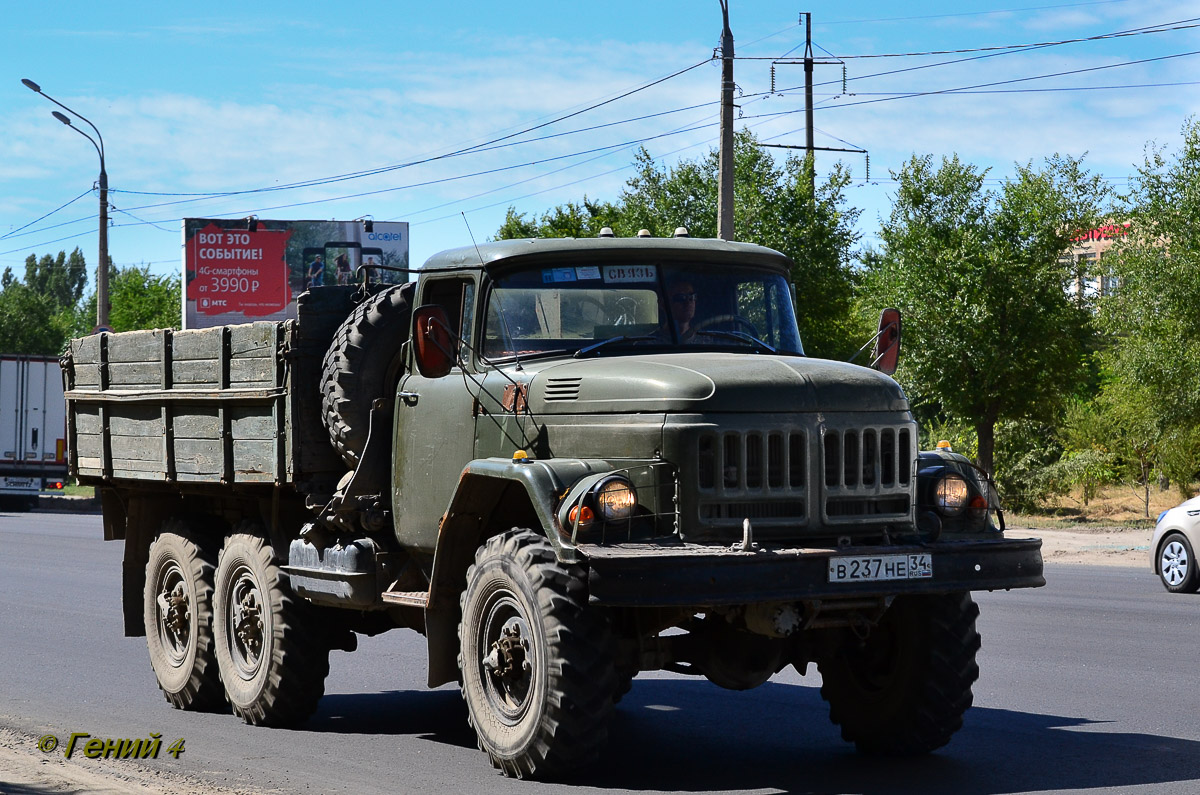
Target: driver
column 681, row 298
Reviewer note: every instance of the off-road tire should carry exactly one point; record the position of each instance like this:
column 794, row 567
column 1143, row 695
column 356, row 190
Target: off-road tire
column 553, row 718
column 272, row 654
column 1177, row 564
column 178, row 617
column 904, row 690
column 363, row 363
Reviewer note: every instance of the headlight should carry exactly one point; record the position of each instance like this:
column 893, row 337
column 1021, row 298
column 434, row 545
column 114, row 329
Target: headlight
column 950, row 495
column 615, row 499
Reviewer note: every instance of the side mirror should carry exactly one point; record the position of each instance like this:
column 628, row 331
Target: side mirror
column 433, row 341
column 886, row 354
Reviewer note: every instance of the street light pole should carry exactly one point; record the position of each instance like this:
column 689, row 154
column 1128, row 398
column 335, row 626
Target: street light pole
column 98, row 143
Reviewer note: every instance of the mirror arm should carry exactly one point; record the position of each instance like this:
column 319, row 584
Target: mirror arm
column 868, row 343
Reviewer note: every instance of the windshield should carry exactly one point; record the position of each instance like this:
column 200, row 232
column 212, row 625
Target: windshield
column 571, row 309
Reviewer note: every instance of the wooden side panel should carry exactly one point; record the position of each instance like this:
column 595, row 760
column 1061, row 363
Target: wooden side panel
column 196, row 358
column 135, row 359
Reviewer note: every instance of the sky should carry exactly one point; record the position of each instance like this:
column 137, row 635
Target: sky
column 469, row 108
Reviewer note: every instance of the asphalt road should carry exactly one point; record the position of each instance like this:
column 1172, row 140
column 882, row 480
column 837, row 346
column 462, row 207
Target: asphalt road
column 1087, row 685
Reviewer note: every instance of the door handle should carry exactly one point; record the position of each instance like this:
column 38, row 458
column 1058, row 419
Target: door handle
column 409, row 398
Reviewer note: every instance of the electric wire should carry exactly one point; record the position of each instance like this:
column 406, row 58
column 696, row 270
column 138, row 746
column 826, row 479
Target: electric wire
column 974, row 13
column 455, row 153
column 1102, row 37
column 14, row 232
column 963, row 89
column 951, row 62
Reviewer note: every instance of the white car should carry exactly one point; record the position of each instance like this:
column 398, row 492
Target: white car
column 1173, row 548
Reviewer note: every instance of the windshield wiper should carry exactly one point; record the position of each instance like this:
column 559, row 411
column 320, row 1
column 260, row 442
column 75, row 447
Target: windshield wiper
column 579, row 354
column 739, row 335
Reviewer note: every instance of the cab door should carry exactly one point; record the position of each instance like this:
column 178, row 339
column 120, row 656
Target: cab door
column 435, row 425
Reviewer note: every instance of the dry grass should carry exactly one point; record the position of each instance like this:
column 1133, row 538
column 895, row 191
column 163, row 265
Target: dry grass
column 1118, row 506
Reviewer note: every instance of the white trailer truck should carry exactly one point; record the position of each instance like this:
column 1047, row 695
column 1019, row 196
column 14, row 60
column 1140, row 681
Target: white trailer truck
column 33, row 429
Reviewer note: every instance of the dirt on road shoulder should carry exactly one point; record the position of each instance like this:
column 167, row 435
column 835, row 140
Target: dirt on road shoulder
column 1093, row 545
column 24, row 770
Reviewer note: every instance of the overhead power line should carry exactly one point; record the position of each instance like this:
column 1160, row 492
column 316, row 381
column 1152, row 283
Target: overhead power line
column 457, row 152
column 1118, row 35
column 963, row 89
column 946, row 63
column 975, row 13
column 14, row 232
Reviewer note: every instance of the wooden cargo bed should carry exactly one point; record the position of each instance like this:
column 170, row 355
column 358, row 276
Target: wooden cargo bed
column 226, row 405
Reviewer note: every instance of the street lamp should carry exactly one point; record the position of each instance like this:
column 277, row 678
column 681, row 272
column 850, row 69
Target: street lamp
column 98, row 143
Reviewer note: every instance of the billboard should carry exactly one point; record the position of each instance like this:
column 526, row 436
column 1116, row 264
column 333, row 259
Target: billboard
column 238, row 271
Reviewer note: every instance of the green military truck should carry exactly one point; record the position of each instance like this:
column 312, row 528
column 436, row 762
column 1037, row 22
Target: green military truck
column 562, row 462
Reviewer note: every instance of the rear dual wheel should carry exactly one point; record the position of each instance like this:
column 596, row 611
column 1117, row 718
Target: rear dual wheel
column 272, row 655
column 177, row 614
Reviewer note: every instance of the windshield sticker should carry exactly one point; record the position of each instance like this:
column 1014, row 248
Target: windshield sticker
column 588, row 272
column 624, row 274
column 551, row 275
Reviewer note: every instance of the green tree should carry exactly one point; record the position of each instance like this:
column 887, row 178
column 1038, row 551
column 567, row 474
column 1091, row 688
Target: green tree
column 37, row 314
column 1152, row 317
column 991, row 331
column 30, row 322
column 138, row 299
column 774, row 205
column 1154, row 313
column 62, row 278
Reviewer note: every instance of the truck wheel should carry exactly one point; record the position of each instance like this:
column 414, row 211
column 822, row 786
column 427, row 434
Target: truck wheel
column 363, row 363
column 903, row 690
column 1177, row 565
column 273, row 659
column 537, row 666
column 177, row 613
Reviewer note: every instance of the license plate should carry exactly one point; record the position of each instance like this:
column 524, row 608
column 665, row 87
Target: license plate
column 874, row 568
column 19, row 483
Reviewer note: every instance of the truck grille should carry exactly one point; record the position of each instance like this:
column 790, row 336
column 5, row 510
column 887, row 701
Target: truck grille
column 867, row 472
column 754, row 474
column 846, row 476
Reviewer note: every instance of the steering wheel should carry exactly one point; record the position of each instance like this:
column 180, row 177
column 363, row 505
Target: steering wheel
column 738, row 319
column 601, row 313
column 627, row 308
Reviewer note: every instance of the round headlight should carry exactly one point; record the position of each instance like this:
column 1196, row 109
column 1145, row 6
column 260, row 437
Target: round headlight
column 615, row 499
column 951, row 495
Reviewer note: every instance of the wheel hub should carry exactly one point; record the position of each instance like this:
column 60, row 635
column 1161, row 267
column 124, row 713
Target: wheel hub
column 507, row 660
column 246, row 625
column 1174, row 563
column 174, row 614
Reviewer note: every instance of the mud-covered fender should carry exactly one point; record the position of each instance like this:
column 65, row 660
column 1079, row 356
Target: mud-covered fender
column 493, row 495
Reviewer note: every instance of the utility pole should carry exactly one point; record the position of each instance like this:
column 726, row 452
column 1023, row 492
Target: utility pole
column 725, row 157
column 810, row 162
column 810, row 148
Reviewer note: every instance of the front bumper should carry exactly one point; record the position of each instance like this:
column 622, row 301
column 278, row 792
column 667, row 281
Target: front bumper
column 679, row 575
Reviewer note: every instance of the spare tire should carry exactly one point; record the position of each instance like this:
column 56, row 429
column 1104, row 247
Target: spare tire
column 363, row 363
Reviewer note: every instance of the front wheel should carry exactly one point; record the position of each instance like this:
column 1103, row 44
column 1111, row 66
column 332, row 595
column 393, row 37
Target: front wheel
column 272, row 657
column 903, row 689
column 1177, row 565
column 536, row 663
